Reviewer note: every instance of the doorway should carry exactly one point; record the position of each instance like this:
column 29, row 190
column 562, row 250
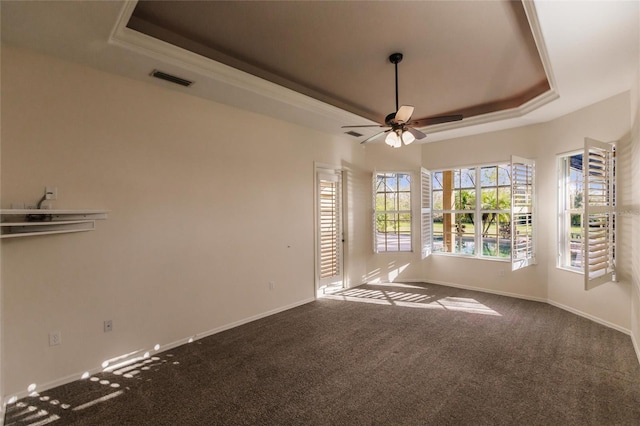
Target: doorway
column 329, row 231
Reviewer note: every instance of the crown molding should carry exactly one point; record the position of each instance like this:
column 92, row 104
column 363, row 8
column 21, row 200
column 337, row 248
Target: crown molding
column 161, row 51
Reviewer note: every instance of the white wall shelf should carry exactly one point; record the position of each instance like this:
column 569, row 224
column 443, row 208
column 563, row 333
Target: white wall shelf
column 16, row 223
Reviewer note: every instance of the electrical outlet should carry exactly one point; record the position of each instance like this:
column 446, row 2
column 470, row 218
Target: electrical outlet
column 55, row 338
column 272, row 285
column 51, row 193
column 108, row 326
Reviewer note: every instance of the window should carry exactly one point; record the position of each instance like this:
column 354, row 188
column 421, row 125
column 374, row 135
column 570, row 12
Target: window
column 571, row 194
column 464, row 199
column 454, row 211
column 485, row 211
column 495, row 205
column 586, row 217
column 392, row 215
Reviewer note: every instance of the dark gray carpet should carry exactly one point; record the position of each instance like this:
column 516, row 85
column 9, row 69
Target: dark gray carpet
column 374, row 355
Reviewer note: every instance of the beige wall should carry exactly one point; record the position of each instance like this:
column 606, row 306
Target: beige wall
column 196, row 195
column 207, row 204
column 384, row 267
column 491, row 275
column 607, row 120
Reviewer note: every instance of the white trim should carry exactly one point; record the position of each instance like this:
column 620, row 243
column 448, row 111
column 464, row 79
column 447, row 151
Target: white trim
column 536, row 30
column 472, row 256
column 589, row 316
column 77, row 376
column 478, row 210
column 413, row 211
column 531, row 298
column 486, row 290
column 472, row 166
column 527, row 107
column 492, row 117
column 337, row 171
column 518, row 209
column 635, row 346
column 151, row 47
column 606, row 273
column 426, row 213
column 157, row 49
column 245, row 321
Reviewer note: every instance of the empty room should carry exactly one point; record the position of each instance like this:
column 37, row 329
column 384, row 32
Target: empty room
column 320, row 213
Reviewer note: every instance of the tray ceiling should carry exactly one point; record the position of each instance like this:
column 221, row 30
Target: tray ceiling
column 465, row 57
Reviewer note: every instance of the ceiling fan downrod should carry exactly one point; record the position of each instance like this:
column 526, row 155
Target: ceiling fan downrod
column 395, row 59
column 401, row 129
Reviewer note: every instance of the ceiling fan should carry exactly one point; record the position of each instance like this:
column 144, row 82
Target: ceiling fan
column 401, row 127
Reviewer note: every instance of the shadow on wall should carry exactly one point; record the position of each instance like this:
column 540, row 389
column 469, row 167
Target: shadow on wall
column 626, row 210
column 389, row 273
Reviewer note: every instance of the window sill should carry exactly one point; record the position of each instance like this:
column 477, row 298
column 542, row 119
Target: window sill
column 394, row 252
column 575, row 271
column 462, row 256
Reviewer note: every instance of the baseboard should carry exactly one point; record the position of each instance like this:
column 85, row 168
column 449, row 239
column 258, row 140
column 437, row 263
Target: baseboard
column 487, row 290
column 87, row 373
column 635, row 346
column 535, row 299
column 590, row 317
column 634, row 315
column 251, row 319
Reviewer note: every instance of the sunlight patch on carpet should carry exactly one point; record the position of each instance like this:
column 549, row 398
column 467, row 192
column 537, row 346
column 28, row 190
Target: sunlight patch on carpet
column 413, row 300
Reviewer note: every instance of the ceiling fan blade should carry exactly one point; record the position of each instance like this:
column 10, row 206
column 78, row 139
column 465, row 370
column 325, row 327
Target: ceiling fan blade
column 374, row 137
column 415, row 132
column 428, row 121
column 404, row 114
column 365, row 125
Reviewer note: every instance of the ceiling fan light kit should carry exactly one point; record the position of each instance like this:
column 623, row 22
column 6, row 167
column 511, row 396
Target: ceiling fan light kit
column 397, row 138
column 401, row 130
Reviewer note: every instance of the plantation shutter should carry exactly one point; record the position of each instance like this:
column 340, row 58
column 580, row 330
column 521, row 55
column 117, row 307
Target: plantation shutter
column 599, row 214
column 425, row 211
column 374, row 213
column 522, row 212
column 330, row 232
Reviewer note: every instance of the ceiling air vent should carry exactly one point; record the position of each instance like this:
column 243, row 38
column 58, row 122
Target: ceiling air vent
column 171, row 78
column 354, row 134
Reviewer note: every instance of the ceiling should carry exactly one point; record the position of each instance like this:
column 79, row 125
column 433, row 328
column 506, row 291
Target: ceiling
column 325, row 64
column 469, row 58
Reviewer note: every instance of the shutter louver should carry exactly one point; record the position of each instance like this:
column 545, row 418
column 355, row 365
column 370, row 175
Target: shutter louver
column 598, row 163
column 425, row 212
column 329, row 229
column 522, row 212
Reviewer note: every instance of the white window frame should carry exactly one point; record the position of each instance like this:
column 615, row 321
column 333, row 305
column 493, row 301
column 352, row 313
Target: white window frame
column 410, row 211
column 475, row 211
column 598, row 213
column 523, row 246
column 565, row 212
column 523, row 214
